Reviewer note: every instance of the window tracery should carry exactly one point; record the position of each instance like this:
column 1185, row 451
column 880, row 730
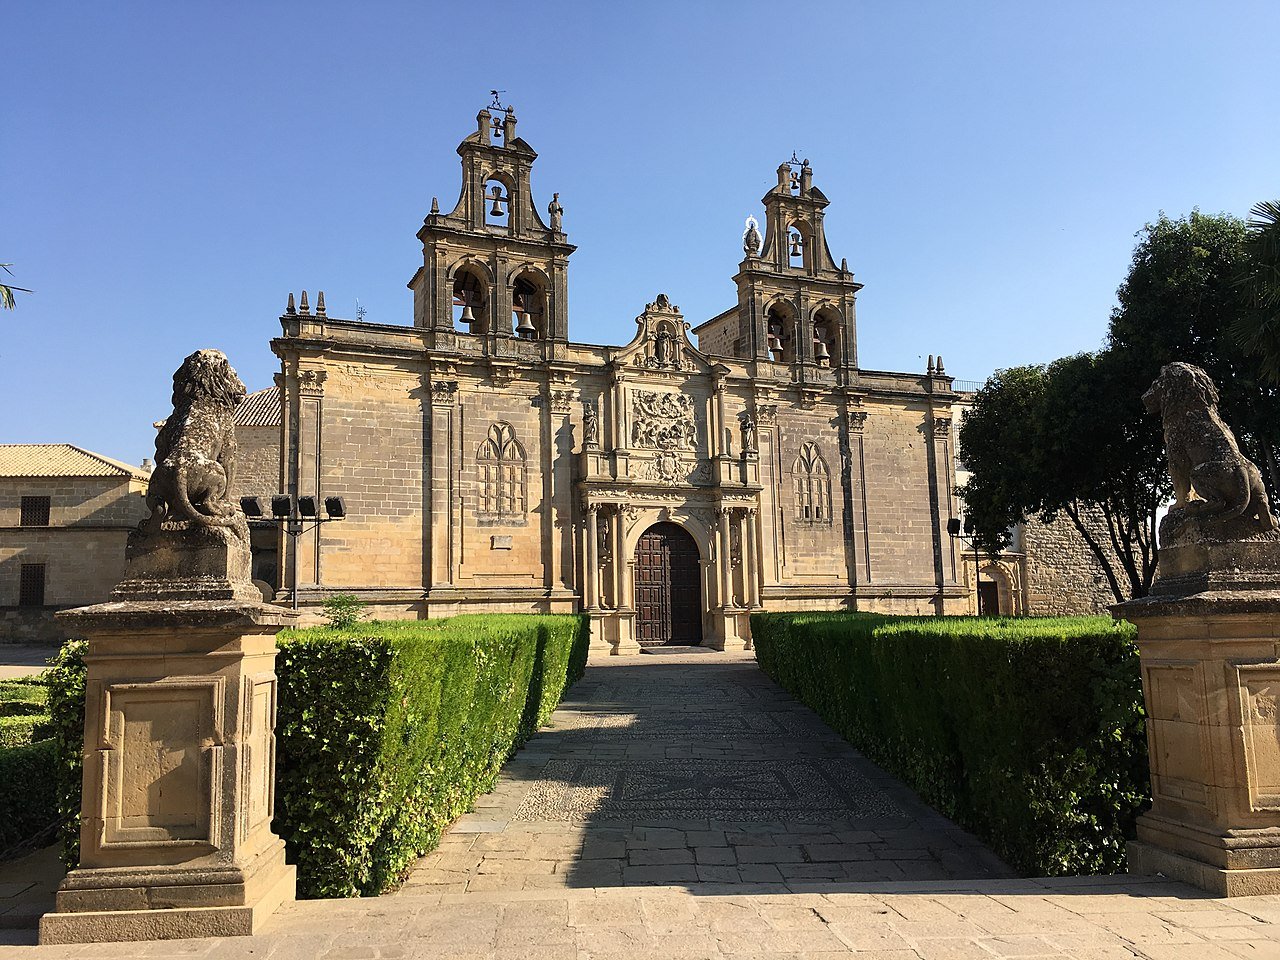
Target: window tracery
column 501, row 460
column 812, row 485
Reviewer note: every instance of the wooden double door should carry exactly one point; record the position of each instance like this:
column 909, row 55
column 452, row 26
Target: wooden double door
column 668, row 587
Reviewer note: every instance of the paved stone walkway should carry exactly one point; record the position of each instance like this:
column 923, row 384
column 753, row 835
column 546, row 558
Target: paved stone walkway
column 683, row 807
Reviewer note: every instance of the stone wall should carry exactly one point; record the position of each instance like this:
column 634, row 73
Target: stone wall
column 1063, row 577
column 82, row 548
column 257, row 462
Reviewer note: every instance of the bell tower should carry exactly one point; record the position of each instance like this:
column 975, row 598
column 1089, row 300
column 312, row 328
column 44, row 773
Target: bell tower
column 492, row 267
column 795, row 305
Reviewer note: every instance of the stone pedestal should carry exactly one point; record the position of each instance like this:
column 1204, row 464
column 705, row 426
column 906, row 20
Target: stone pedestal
column 1211, row 680
column 179, row 774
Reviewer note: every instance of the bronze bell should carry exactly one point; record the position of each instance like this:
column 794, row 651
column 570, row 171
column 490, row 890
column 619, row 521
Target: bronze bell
column 496, row 210
column 526, row 328
column 820, row 351
column 468, row 315
column 795, row 245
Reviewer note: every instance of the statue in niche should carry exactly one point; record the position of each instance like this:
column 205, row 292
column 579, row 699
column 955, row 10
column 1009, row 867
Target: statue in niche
column 664, row 347
column 590, row 424
column 751, row 238
column 557, row 213
column 1219, row 491
column 748, row 434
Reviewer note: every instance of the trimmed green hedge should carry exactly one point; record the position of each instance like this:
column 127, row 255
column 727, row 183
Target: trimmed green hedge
column 1028, row 732
column 27, row 791
column 385, row 733
column 16, row 731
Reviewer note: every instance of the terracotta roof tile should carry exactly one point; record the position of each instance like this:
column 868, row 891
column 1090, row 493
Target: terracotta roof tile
column 61, row 460
column 259, row 409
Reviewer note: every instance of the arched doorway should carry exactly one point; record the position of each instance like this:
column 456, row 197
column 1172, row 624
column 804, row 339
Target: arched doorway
column 668, row 587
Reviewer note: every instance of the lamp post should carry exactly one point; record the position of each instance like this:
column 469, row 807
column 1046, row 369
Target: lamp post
column 294, row 514
column 953, row 530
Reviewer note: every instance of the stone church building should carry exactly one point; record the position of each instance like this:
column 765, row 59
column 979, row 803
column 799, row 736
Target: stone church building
column 668, row 487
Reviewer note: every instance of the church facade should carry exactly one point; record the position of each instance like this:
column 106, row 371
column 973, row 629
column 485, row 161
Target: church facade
column 668, row 488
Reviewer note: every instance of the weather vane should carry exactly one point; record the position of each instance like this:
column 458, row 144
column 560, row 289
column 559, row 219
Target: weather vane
column 497, row 103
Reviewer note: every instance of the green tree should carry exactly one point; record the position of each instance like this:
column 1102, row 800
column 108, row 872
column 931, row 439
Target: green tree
column 6, row 289
column 1069, row 440
column 1181, row 300
column 1257, row 328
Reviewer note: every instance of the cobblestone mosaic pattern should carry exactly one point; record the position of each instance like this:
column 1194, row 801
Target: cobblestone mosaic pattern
column 696, row 771
column 720, row 789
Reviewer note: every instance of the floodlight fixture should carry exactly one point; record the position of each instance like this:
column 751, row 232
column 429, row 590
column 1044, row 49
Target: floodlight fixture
column 282, row 506
column 307, row 507
column 335, row 508
column 953, row 527
column 251, row 507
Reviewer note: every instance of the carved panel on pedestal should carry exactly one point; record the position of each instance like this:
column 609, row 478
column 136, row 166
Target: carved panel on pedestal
column 1258, row 689
column 161, row 754
column 1175, row 701
column 258, row 774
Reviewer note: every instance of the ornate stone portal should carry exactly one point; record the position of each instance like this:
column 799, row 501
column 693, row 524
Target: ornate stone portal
column 180, row 707
column 1209, row 639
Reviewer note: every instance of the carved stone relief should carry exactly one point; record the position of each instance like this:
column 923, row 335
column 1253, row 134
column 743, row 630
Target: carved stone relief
column 663, row 421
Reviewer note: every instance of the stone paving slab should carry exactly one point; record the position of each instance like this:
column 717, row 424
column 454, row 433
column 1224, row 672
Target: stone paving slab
column 1081, row 919
column 647, row 867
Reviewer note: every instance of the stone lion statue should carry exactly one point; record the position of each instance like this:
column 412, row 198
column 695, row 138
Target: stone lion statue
column 196, row 447
column 1219, row 491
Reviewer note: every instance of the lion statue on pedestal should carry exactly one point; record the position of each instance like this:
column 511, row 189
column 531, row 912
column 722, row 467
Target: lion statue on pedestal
column 1219, row 491
column 196, row 447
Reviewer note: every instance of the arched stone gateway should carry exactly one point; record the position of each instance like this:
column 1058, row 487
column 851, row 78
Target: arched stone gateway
column 668, row 587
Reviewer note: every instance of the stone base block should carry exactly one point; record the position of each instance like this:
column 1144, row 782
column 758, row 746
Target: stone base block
column 179, row 923
column 1147, row 860
column 186, row 561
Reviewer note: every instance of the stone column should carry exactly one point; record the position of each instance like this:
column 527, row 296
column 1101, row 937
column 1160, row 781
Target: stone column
column 1209, row 643
column 180, row 710
column 1211, row 683
column 724, row 558
column 591, row 562
column 751, row 559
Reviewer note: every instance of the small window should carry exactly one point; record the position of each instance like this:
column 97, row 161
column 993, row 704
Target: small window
column 35, row 511
column 31, row 585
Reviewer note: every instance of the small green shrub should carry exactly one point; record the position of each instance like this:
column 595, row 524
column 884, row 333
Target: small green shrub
column 28, row 791
column 1029, row 732
column 343, row 611
column 22, row 708
column 24, row 690
column 16, row 731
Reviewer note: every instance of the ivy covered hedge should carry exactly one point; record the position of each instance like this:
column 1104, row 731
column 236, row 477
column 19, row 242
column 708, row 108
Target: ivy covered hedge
column 1028, row 732
column 386, row 732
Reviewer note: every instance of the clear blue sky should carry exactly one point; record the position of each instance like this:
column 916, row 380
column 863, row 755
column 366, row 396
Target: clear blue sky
column 172, row 170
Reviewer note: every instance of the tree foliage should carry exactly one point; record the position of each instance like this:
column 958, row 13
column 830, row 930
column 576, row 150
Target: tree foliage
column 1044, row 442
column 1257, row 328
column 1073, row 439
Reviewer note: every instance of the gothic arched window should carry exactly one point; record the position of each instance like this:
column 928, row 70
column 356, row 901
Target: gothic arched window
column 502, row 475
column 812, row 482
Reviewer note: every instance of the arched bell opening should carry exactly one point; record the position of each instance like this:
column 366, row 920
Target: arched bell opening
column 497, row 203
column 470, row 302
column 799, row 245
column 826, row 337
column 668, row 586
column 780, row 320
column 529, row 307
